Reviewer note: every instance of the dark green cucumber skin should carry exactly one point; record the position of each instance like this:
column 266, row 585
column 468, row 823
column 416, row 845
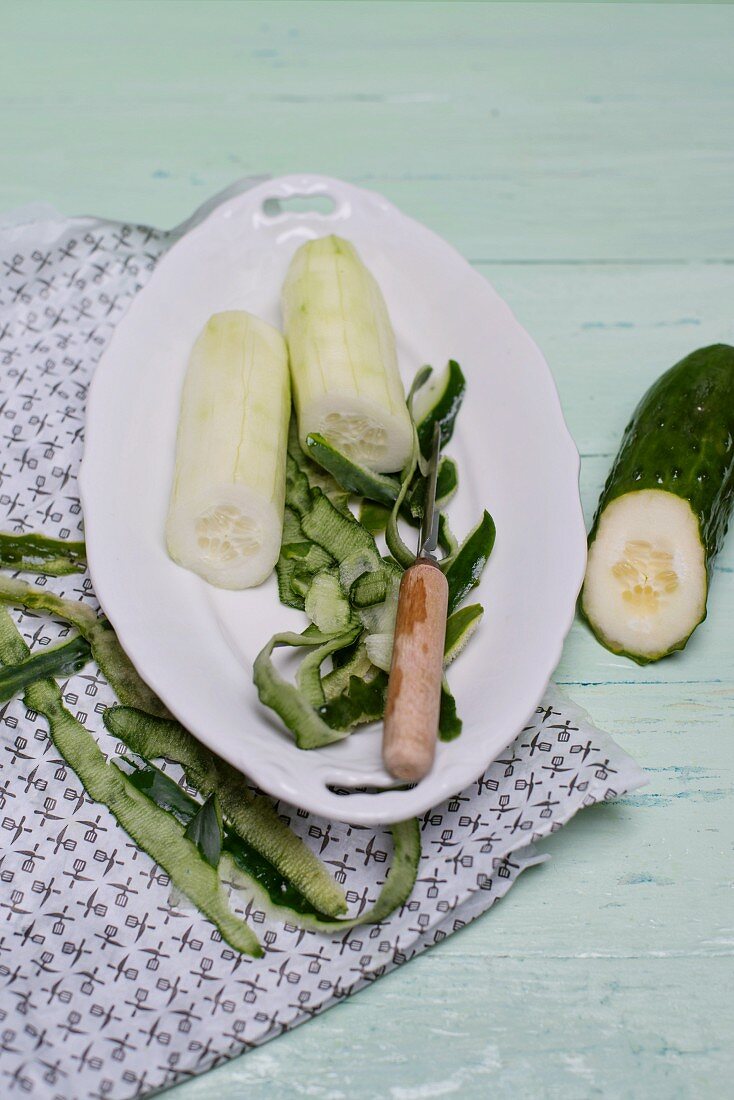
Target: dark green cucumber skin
column 681, row 440
column 444, row 411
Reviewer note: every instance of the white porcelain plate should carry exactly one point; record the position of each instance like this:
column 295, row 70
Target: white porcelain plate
column 194, row 644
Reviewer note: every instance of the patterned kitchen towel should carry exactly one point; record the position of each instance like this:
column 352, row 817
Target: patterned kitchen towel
column 110, row 987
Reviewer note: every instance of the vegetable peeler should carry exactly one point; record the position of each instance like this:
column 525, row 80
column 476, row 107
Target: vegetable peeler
column 416, row 671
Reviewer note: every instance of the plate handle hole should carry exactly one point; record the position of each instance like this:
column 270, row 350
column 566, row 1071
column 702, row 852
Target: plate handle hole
column 345, row 792
column 299, row 204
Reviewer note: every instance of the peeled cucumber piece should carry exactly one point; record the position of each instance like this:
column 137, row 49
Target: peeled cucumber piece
column 225, row 517
column 664, row 511
column 344, row 367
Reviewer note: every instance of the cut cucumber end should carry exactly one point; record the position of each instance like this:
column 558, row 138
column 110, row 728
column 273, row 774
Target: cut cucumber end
column 361, row 429
column 230, row 536
column 646, row 581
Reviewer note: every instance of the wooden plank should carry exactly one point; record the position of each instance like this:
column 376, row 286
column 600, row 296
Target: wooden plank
column 517, row 131
column 516, row 1028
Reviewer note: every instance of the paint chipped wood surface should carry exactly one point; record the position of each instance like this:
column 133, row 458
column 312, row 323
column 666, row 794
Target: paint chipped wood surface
column 582, row 158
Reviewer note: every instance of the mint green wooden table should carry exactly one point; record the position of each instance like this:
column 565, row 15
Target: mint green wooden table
column 582, row 157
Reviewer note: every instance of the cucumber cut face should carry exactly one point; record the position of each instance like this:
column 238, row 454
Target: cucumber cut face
column 360, row 428
column 646, row 580
column 230, row 536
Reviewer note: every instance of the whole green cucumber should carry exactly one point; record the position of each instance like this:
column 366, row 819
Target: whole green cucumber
column 664, row 511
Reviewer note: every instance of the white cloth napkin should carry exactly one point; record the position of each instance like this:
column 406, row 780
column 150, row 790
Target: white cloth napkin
column 109, row 988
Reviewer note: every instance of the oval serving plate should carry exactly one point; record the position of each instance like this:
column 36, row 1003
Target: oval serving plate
column 195, row 644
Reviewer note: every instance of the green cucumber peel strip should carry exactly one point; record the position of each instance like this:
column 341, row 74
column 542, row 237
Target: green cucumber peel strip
column 288, row 702
column 167, row 794
column 447, row 482
column 372, row 588
column 326, row 604
column 312, row 476
column 449, row 723
column 346, row 654
column 440, row 403
column 292, row 532
column 350, row 475
column 308, row 677
column 340, row 535
column 251, row 816
column 446, row 540
column 161, row 789
column 154, row 830
column 379, row 618
column 374, row 516
column 460, row 626
column 406, row 835
column 356, row 663
column 287, row 561
column 464, row 570
column 297, row 487
column 277, row 887
column 402, row 554
column 308, row 556
column 61, row 660
column 106, row 649
column 205, row 831
column 298, row 560
column 360, row 701
column 40, row 554
column 286, row 592
column 301, row 581
column 356, row 565
column 379, row 646
column 401, row 878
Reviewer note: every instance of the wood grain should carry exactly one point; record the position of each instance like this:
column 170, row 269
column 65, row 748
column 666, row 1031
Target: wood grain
column 414, row 689
column 581, row 156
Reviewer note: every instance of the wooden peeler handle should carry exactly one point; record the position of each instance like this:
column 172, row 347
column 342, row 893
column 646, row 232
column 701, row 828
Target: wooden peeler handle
column 414, row 689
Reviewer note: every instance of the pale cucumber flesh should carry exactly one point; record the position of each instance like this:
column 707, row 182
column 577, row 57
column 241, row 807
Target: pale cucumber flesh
column 225, row 516
column 359, row 427
column 646, row 580
column 343, row 357
column 229, row 534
